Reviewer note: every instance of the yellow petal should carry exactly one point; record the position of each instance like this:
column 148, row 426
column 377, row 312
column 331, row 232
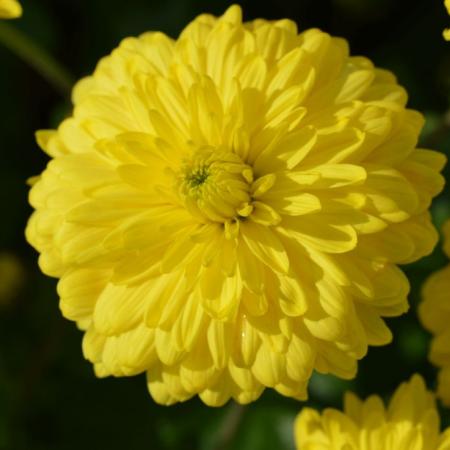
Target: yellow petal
column 265, row 245
column 79, row 290
column 10, row 9
column 320, row 235
column 220, row 337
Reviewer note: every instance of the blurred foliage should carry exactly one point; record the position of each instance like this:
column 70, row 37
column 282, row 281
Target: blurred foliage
column 49, row 396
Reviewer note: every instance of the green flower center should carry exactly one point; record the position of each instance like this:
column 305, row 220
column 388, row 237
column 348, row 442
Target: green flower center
column 215, row 184
column 197, row 177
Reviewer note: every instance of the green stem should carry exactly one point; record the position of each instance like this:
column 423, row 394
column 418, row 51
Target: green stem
column 36, row 57
column 230, row 426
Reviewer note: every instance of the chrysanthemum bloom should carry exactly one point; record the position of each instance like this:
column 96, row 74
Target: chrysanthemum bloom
column 446, row 32
column 226, row 211
column 10, row 9
column 410, row 422
column 434, row 311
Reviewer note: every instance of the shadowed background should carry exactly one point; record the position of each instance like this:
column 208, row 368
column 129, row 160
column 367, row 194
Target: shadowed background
column 49, row 396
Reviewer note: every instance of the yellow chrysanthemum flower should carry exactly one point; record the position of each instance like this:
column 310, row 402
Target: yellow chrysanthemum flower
column 410, row 422
column 10, row 9
column 434, row 312
column 446, row 32
column 226, row 211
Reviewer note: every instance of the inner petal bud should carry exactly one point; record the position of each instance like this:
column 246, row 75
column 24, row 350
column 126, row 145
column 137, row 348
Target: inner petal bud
column 215, row 184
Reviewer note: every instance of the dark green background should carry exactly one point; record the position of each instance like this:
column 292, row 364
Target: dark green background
column 49, row 397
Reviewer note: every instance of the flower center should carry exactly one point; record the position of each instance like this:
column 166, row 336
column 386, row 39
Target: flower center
column 197, row 177
column 215, row 184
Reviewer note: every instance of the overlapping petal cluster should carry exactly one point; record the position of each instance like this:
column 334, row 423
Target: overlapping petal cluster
column 434, row 312
column 226, row 211
column 410, row 422
column 10, row 9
